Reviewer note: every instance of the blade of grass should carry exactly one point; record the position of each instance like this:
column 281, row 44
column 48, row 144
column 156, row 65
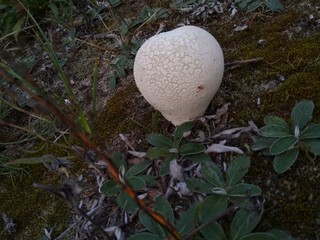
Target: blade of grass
column 95, row 84
column 47, row 46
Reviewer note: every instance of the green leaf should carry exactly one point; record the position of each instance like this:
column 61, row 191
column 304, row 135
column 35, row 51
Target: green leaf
column 237, row 169
column 152, row 226
column 126, row 202
column 159, row 140
column 17, row 27
column 163, row 207
column 240, row 193
column 138, row 168
column 118, row 160
column 313, row 146
column 312, row 131
column 158, row 152
column 200, row 158
column 151, row 181
column 243, row 223
column 279, row 234
column 165, row 168
column 136, row 183
column 212, row 173
column 213, row 231
column 184, row 127
column 112, row 81
column 283, row 162
column 242, row 4
column 121, row 72
column 187, row 221
column 262, row 143
column 191, row 149
column 254, row 6
column 199, row 186
column 276, row 121
column 110, row 188
column 302, row 113
column 282, row 144
column 145, row 236
column 274, row 5
column 274, row 131
column 212, row 207
column 259, row 236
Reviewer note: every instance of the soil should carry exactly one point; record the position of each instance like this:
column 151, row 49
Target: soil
column 288, row 42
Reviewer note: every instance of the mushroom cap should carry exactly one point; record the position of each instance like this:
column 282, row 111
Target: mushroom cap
column 178, row 72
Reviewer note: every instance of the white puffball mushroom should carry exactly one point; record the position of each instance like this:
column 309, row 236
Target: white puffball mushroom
column 178, row 72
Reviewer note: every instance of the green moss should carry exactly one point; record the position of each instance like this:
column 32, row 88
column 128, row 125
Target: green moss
column 32, row 209
column 123, row 114
column 301, row 85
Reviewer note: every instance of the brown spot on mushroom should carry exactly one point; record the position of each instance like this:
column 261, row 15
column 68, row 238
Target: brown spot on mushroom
column 199, row 88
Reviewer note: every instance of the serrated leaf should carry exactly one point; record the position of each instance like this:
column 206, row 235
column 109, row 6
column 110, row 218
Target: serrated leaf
column 212, row 207
column 274, row 131
column 158, row 152
column 243, row 223
column 302, row 113
column 110, row 188
column 312, row 131
column 185, row 127
column 138, row 168
column 200, row 158
column 237, row 169
column 313, row 146
column 262, row 143
column 279, row 234
column 274, row 5
column 213, row 231
column 259, row 236
column 136, row 183
column 188, row 221
column 199, row 186
column 145, row 236
column 191, row 148
column 283, row 162
column 163, row 207
column 282, row 144
column 150, row 224
column 212, row 173
column 126, row 202
column 159, row 140
column 238, row 194
column 275, row 120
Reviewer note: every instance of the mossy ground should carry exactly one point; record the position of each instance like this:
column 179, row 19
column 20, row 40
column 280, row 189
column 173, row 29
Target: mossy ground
column 289, row 73
column 34, row 209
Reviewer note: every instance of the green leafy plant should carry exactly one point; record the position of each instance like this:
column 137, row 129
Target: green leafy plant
column 129, row 44
column 252, row 5
column 202, row 220
column 176, row 148
column 228, row 187
column 134, row 176
column 284, row 141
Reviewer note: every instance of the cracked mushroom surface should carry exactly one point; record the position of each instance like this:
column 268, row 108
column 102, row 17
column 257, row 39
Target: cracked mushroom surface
column 178, row 72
